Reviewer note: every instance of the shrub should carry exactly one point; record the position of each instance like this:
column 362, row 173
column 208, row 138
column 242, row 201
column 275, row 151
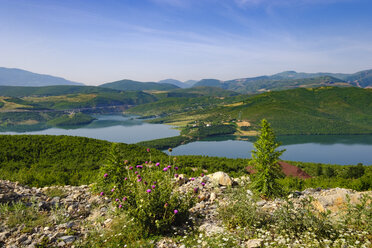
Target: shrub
column 147, row 193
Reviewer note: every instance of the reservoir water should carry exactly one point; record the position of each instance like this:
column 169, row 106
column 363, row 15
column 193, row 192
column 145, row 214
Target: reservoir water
column 332, row 149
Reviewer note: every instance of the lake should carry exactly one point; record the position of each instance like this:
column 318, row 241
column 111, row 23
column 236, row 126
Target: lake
column 333, row 149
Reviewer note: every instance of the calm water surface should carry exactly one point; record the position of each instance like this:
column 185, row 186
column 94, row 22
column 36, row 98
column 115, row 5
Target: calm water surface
column 115, row 128
column 337, row 149
column 330, row 149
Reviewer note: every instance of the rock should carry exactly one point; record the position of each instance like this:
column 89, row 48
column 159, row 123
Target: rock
column 212, row 197
column 254, row 243
column 4, row 235
column 221, row 178
column 68, row 239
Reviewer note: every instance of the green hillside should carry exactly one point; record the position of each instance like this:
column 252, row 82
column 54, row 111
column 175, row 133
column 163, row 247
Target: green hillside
column 363, row 78
column 131, row 85
column 325, row 110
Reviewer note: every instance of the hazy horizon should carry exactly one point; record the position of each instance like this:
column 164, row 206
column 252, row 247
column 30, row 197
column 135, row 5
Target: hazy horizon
column 94, row 42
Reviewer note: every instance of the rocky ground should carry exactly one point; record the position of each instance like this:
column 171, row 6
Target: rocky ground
column 61, row 216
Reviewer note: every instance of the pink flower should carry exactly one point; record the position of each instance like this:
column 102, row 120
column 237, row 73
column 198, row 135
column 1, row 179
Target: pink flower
column 196, row 190
column 139, row 166
column 192, row 179
column 154, row 182
column 124, row 198
column 136, row 172
column 148, row 149
column 175, row 211
column 176, row 168
column 157, row 164
column 125, row 179
column 169, row 166
column 125, row 161
column 165, row 205
column 139, row 179
column 146, row 162
column 165, row 169
column 131, row 168
column 148, row 191
column 138, row 176
column 120, row 206
column 105, row 175
column 202, row 174
column 203, row 184
column 116, row 199
column 112, row 190
column 176, row 175
column 101, row 194
column 153, row 186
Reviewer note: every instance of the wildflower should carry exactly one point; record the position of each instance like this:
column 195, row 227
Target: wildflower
column 154, row 182
column 116, row 199
column 120, row 206
column 146, row 162
column 125, row 179
column 136, row 172
column 192, row 179
column 203, row 184
column 138, row 175
column 148, row 191
column 124, row 198
column 101, row 194
column 165, row 169
column 112, row 190
column 157, row 164
column 125, row 161
column 175, row 211
column 153, row 186
column 148, row 149
column 139, row 179
column 105, row 175
column 145, row 182
column 139, row 166
column 176, row 168
column 131, row 168
column 202, row 174
column 169, row 166
column 196, row 190
column 165, row 205
column 176, row 175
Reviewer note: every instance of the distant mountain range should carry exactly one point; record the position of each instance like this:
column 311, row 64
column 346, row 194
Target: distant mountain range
column 280, row 81
column 291, row 79
column 18, row 77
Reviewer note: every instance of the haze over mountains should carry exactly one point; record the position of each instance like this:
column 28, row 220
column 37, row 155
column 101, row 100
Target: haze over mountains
column 280, row 81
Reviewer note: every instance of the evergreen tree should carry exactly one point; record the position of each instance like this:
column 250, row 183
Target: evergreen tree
column 265, row 161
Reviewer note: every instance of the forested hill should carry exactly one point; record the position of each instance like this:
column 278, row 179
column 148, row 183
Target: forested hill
column 131, row 85
column 324, row 110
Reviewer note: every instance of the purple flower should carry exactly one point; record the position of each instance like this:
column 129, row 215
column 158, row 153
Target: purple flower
column 112, row 190
column 145, row 182
column 116, row 199
column 203, row 184
column 202, row 174
column 176, row 168
column 154, row 182
column 139, row 179
column 125, row 179
column 165, row 205
column 169, row 166
column 136, row 172
column 175, row 211
column 196, row 190
column 176, row 175
column 101, row 194
column 139, row 166
column 131, row 168
column 146, row 162
column 148, row 191
column 105, row 175
column 153, row 186
column 124, row 198
column 138, row 176
column 165, row 169
column 157, row 164
column 148, row 149
column 192, row 179
column 120, row 206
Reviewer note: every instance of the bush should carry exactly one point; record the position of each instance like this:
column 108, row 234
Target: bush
column 147, row 193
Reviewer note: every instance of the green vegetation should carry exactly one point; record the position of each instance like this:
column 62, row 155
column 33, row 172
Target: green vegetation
column 71, row 120
column 327, row 110
column 146, row 193
column 265, row 160
column 130, row 85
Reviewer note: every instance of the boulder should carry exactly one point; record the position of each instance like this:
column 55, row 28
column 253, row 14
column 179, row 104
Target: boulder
column 221, row 178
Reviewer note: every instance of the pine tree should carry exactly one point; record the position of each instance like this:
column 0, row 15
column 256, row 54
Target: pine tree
column 265, row 161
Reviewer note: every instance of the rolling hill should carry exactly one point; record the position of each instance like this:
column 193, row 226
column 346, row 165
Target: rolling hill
column 18, row 77
column 130, row 85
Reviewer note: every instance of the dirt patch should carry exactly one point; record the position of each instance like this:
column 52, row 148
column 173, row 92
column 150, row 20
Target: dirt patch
column 243, row 123
column 288, row 170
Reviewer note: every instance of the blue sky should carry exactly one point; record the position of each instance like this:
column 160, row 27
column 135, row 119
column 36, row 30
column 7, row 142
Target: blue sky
column 101, row 41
